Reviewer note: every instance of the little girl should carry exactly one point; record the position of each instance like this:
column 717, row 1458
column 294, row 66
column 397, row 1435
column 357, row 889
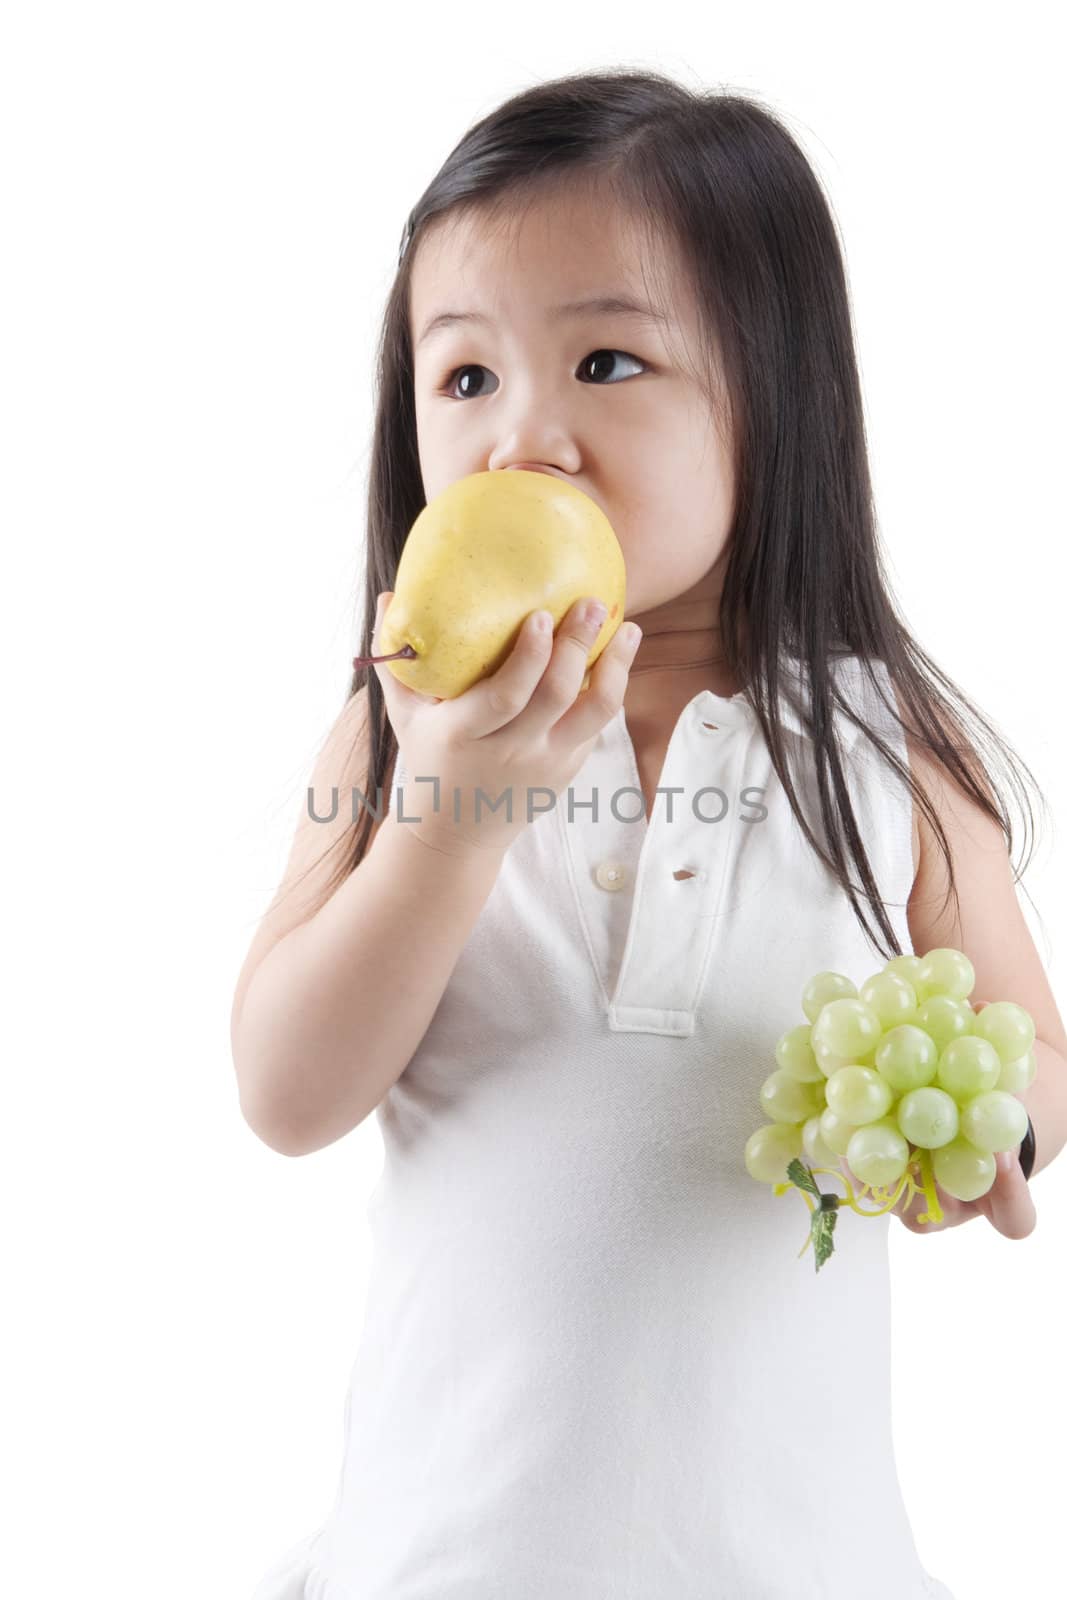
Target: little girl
column 593, row 1366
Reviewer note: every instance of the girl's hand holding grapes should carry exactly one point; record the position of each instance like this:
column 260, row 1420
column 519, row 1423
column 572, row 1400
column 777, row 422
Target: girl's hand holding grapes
column 1008, row 1205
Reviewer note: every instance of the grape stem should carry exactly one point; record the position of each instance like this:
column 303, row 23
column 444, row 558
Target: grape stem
column 886, row 1201
column 934, row 1213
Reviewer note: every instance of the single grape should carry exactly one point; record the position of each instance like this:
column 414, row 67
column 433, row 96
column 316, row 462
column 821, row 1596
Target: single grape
column 906, row 966
column 1007, row 1027
column 816, row 1148
column 945, row 971
column 944, row 1019
column 784, row 1099
column 1017, row 1076
column 828, row 1062
column 891, row 997
column 770, row 1149
column 878, row 1153
column 794, row 1054
column 858, row 1095
column 962, row 1171
column 994, row 1121
column 928, row 1117
column 835, row 1131
column 906, row 1057
column 968, row 1066
column 846, row 1027
column 823, row 987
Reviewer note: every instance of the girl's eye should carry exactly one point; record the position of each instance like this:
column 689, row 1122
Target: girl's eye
column 593, row 357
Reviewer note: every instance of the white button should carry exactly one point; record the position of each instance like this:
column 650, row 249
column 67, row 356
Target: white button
column 610, row 875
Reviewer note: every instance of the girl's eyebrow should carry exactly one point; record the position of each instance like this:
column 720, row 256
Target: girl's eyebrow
column 598, row 305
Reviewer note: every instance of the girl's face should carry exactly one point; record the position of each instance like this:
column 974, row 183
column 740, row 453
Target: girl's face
column 604, row 399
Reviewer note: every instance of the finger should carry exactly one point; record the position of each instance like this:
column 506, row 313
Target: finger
column 560, row 685
column 496, row 700
column 538, row 681
column 597, row 704
column 1012, row 1210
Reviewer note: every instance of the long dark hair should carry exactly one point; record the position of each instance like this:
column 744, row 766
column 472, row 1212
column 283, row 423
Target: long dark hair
column 721, row 177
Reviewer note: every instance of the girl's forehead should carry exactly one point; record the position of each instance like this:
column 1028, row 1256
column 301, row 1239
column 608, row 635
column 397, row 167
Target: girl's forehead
column 568, row 248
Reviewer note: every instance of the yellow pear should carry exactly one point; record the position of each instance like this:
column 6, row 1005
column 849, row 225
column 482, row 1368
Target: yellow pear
column 479, row 558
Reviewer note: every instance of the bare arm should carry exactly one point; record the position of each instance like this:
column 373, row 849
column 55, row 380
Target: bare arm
column 338, row 1008
column 330, row 1007
column 332, row 1004
column 991, row 927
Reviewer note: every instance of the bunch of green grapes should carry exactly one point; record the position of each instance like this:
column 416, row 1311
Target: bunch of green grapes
column 904, row 1070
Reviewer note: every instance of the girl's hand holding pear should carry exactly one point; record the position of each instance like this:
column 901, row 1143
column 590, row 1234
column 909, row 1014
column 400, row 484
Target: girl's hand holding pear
column 525, row 727
column 479, row 695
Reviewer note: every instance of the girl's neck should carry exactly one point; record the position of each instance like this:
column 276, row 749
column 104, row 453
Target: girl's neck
column 676, row 666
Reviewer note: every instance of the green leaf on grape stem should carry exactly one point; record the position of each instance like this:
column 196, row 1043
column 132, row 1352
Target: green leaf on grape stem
column 802, row 1177
column 824, row 1214
column 823, row 1222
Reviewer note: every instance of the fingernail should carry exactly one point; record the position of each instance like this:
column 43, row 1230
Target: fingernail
column 594, row 613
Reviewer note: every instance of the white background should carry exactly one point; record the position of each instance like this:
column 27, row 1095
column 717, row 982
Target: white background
column 202, row 206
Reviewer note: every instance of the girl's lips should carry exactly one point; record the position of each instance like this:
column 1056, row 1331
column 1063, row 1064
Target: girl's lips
column 533, row 466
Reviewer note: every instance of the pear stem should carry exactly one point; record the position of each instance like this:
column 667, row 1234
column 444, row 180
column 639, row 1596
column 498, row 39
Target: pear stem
column 408, row 653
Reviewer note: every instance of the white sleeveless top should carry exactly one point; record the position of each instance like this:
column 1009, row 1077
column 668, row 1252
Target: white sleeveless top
column 593, row 1366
